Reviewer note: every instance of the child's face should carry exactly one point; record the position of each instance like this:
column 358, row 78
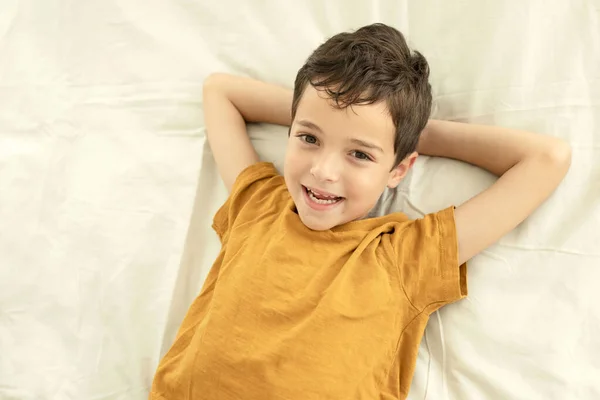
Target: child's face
column 339, row 161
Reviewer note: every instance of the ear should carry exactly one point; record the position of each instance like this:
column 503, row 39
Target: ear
column 400, row 171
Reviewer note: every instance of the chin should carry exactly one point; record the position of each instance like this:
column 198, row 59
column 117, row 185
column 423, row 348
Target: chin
column 316, row 224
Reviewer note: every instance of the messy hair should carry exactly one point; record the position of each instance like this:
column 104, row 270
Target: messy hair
column 367, row 66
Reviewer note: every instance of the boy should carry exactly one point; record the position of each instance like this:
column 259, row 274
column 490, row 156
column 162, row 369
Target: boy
column 308, row 299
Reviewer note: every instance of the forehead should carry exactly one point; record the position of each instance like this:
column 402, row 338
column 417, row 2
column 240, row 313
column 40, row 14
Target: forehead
column 372, row 121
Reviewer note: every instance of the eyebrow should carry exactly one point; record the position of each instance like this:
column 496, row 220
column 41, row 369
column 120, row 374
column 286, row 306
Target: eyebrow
column 312, row 125
column 367, row 144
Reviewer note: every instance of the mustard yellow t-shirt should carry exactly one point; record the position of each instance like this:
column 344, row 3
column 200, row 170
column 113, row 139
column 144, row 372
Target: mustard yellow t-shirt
column 291, row 313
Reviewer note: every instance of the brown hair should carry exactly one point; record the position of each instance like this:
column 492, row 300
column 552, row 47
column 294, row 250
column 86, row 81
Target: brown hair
column 367, row 66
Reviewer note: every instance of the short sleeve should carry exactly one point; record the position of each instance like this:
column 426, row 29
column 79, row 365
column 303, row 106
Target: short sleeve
column 254, row 190
column 427, row 252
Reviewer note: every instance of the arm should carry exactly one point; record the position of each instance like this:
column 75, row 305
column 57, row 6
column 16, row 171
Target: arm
column 231, row 101
column 530, row 167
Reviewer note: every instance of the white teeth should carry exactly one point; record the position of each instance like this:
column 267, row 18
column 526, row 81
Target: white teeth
column 319, row 201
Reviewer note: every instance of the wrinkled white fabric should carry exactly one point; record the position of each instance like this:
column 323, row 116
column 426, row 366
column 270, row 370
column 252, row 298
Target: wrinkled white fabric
column 107, row 189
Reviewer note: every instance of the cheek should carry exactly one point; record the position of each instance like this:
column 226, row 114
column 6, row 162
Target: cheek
column 295, row 161
column 368, row 185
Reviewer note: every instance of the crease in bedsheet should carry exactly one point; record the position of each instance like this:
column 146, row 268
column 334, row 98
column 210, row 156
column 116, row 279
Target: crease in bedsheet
column 109, row 85
column 585, row 83
column 443, row 354
column 8, row 19
column 186, row 278
column 472, row 116
column 177, row 115
column 494, row 255
column 546, row 249
column 429, row 362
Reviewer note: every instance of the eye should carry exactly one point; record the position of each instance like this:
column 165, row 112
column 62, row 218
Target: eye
column 310, row 139
column 361, row 156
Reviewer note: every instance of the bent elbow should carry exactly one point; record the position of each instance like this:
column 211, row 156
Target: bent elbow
column 216, row 81
column 558, row 154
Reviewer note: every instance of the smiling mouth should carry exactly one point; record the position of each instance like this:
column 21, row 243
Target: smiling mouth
column 321, row 198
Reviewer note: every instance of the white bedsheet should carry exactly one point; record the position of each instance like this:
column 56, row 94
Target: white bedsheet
column 107, row 189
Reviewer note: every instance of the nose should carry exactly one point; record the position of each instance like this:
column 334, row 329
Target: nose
column 326, row 168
